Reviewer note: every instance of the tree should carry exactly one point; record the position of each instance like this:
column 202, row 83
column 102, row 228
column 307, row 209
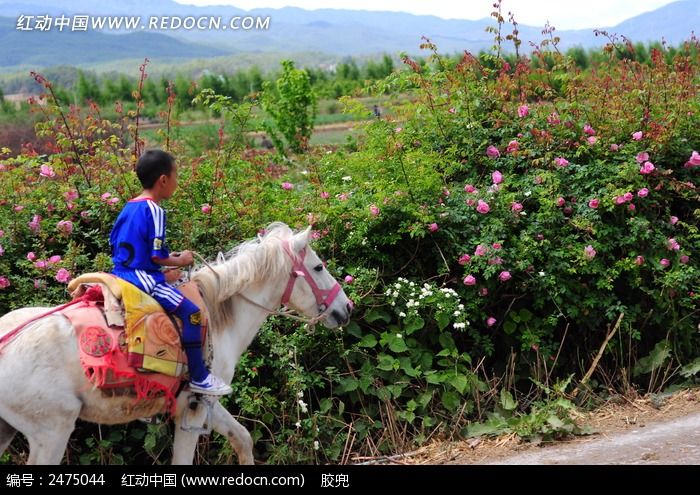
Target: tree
column 291, row 103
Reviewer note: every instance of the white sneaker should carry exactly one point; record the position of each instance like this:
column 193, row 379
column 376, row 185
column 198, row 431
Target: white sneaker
column 211, row 385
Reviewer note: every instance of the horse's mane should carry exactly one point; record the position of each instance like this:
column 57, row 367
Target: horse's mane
column 245, row 264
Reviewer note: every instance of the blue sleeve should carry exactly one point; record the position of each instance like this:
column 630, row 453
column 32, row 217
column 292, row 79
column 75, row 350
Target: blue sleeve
column 155, row 222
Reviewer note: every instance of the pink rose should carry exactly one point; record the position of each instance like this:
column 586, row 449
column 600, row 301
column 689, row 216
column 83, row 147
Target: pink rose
column 491, row 321
column 673, row 220
column 561, row 161
column 469, row 188
column 647, row 168
column 561, row 202
column 65, row 227
column 492, row 152
column 516, row 207
column 433, row 227
column 643, row 192
column 464, row 259
column 672, row 245
column 40, row 264
column 665, row 263
column 63, row 276
column 594, row 203
column 628, row 196
column 70, row 195
column 46, row 171
column 589, row 130
column 513, row 146
column 523, row 111
column 55, row 259
column 504, row 276
column 106, row 196
column 18, row 208
column 694, row 160
column 592, row 140
column 684, row 259
column 480, row 250
column 619, row 200
column 632, row 207
column 349, row 279
column 497, row 177
column 639, row 260
column 589, row 252
column 483, row 292
column 497, row 245
column 4, row 283
column 483, row 207
column 113, row 201
column 469, row 280
column 642, row 157
column 325, row 195
column 553, row 118
column 614, row 147
column 206, row 208
column 287, row 186
column 31, row 256
column 637, row 136
column 35, row 224
column 2, row 250
column 374, row 210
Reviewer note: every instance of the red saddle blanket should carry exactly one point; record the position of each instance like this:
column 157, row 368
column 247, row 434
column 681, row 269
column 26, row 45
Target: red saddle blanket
column 103, row 355
column 125, row 338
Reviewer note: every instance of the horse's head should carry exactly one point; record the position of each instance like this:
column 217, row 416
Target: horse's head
column 311, row 289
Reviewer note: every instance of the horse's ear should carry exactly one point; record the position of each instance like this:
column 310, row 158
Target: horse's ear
column 220, row 258
column 301, row 240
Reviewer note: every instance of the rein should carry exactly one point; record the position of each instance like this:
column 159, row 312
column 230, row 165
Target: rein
column 323, row 297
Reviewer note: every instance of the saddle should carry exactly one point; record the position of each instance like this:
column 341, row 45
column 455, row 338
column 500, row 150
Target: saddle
column 126, row 339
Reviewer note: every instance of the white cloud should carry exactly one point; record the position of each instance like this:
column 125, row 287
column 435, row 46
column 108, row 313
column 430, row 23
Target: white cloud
column 563, row 14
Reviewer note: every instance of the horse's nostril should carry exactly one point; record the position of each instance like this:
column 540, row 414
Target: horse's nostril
column 350, row 307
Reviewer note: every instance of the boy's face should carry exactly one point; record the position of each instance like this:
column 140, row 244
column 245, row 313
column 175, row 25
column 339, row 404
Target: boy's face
column 169, row 183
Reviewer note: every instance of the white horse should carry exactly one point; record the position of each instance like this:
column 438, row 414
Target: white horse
column 43, row 388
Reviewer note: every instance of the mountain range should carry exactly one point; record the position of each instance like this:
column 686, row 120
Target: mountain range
column 291, row 30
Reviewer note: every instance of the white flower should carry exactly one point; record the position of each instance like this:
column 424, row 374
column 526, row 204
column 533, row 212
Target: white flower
column 456, row 313
column 298, row 424
column 402, row 315
column 461, row 306
column 347, row 178
column 458, row 326
column 411, row 284
column 541, row 274
column 303, row 406
column 316, row 445
column 300, row 394
column 527, row 193
column 304, row 172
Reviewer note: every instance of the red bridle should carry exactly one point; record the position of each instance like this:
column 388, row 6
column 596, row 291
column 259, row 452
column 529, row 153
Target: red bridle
column 324, row 297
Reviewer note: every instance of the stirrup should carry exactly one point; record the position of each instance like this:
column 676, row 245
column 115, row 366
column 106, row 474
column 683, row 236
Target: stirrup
column 193, row 401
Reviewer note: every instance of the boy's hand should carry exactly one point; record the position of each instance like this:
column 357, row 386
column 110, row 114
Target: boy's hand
column 172, row 275
column 184, row 258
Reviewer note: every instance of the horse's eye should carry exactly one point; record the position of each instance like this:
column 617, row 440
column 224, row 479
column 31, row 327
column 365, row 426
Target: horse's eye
column 318, row 268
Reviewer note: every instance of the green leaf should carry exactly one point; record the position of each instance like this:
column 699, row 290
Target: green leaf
column 349, row 384
column 386, row 362
column 412, row 324
column 507, row 401
column 525, row 315
column 368, row 340
column 460, row 383
column 691, row 369
column 353, row 329
column 509, row 327
column 446, row 341
column 375, row 314
column 324, row 406
column 397, row 344
column 443, row 319
column 656, row 358
column 450, row 400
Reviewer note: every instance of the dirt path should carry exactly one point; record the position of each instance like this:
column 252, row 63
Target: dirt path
column 649, row 430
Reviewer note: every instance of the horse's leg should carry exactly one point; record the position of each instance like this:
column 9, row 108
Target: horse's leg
column 239, row 437
column 48, row 439
column 7, row 433
column 185, row 442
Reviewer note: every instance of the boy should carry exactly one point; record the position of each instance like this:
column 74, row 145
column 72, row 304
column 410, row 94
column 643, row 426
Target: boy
column 139, row 251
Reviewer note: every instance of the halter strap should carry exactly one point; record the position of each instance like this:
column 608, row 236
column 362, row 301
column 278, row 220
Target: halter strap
column 324, row 297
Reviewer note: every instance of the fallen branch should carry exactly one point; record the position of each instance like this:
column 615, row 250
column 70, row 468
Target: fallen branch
column 594, row 365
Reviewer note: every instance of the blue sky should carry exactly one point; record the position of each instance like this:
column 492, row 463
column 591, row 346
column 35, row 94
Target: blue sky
column 563, row 14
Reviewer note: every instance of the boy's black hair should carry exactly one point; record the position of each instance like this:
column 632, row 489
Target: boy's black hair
column 152, row 164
